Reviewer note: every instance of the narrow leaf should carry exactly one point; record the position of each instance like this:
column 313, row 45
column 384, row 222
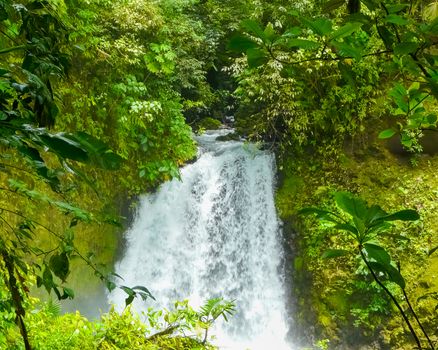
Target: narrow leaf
column 386, row 134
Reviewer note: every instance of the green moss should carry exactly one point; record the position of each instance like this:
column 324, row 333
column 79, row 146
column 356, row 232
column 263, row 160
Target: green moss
column 208, row 123
column 342, row 298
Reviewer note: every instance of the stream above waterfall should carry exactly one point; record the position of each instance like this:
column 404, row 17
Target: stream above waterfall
column 214, row 233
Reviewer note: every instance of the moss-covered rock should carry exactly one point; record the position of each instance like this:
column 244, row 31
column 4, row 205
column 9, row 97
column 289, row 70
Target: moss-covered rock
column 349, row 309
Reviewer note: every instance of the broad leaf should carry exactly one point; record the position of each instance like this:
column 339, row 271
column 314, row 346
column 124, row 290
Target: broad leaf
column 59, row 264
column 388, row 37
column 302, row 44
column 347, row 227
column 254, row 28
column 403, row 215
column 347, row 51
column 390, row 271
column 332, row 5
column 404, row 48
column 351, row 204
column 346, row 30
column 397, row 8
column 97, row 151
column 321, row 26
column 396, row 19
column 241, row 43
column 377, row 253
column 256, row 57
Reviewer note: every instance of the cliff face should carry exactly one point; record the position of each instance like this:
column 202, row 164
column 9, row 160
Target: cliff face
column 334, row 299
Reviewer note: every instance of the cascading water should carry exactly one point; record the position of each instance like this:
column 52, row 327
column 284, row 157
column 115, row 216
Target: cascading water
column 214, row 234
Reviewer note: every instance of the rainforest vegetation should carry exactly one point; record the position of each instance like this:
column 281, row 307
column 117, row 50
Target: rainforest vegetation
column 99, row 101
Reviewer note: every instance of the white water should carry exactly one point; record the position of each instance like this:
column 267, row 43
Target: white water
column 214, row 234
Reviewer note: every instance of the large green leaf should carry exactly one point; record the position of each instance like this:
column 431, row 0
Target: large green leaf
column 320, row 26
column 404, row 48
column 254, row 28
column 332, row 5
column 347, row 50
column 346, row 30
column 396, row 19
column 400, row 96
column 377, row 253
column 59, row 264
column 97, row 151
column 403, row 215
column 351, row 204
column 397, row 8
column 64, row 146
column 347, row 227
column 302, row 44
column 391, row 272
column 387, row 37
column 374, row 213
column 241, row 43
column 256, row 57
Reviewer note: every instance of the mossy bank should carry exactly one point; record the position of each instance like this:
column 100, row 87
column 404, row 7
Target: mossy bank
column 335, row 300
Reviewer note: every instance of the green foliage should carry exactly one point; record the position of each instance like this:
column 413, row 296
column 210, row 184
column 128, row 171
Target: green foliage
column 164, row 329
column 327, row 52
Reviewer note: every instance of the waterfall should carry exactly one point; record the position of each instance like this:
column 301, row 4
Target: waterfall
column 213, row 234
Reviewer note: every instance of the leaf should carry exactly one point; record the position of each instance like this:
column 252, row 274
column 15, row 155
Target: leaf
column 387, row 37
column 332, row 5
column 391, row 272
column 110, row 285
column 400, row 96
column 371, row 4
column 292, row 32
column 320, row 214
column 97, row 151
column 347, row 227
column 302, row 44
column 346, row 50
column 351, row 204
column 432, row 250
column 404, row 48
column 346, row 30
column 47, row 279
column 320, row 26
column 254, row 28
column 68, row 293
column 403, row 215
column 386, row 134
column 241, row 43
column 60, row 266
column 64, row 147
column 396, row 19
column 334, row 253
column 144, row 290
column 375, row 213
column 377, row 253
column 397, row 8
column 256, row 57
